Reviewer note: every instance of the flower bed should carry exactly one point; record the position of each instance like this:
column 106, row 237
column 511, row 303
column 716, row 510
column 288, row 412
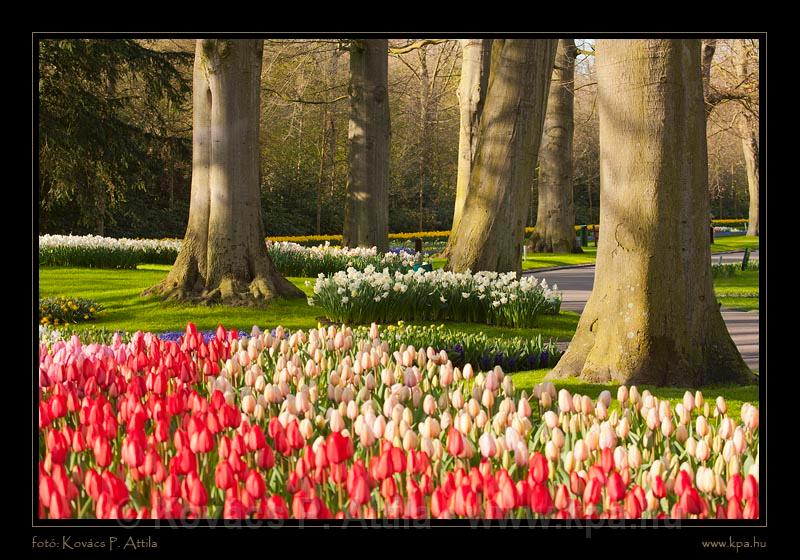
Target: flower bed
column 360, row 297
column 292, row 259
column 105, row 252
column 512, row 354
column 327, row 424
column 62, row 310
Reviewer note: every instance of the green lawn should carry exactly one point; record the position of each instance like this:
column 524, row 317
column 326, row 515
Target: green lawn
column 735, row 395
column 545, row 260
column 739, row 291
column 734, row 243
column 119, row 291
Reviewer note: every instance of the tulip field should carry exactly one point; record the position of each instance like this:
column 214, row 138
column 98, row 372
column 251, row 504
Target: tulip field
column 335, row 423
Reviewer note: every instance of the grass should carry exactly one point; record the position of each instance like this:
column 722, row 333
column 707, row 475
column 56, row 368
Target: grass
column 545, row 260
column 734, row 243
column 119, row 291
column 739, row 291
column 735, row 395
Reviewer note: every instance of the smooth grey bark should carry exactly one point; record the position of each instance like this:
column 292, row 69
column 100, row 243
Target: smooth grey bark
column 366, row 218
column 652, row 316
column 490, row 233
column 555, row 219
column 223, row 257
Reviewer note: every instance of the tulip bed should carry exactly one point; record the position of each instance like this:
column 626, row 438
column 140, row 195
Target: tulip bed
column 510, row 353
column 333, row 424
column 360, row 297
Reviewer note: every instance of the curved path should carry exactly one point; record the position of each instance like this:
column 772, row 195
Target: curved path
column 575, row 284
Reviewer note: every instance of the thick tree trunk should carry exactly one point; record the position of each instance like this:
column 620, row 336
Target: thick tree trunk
column 366, row 217
column 555, row 219
column 748, row 129
column 652, row 316
column 476, row 57
column 223, row 257
column 490, row 232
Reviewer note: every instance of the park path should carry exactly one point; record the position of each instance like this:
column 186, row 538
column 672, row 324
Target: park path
column 575, row 285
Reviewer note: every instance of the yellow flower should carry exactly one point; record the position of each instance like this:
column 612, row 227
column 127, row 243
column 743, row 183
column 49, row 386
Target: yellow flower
column 91, row 310
column 85, row 316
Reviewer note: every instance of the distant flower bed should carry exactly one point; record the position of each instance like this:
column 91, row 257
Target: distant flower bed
column 105, row 252
column 730, row 270
column 64, row 310
column 478, row 349
column 360, row 297
column 292, row 259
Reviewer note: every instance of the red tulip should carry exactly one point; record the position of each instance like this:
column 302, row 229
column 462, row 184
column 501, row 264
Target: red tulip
column 234, row 509
column 751, row 508
column 46, row 488
column 293, row 436
column 658, row 487
column 615, row 487
column 360, row 491
column 223, row 476
column 337, row 448
column 539, row 468
column 733, row 490
column 455, row 442
column 607, row 459
column 562, row 497
column 591, row 495
column 440, row 504
column 197, row 492
column 415, row 505
column 691, row 502
column 734, row 510
column 274, row 507
column 102, row 451
column 682, row 482
column 265, row 459
column 541, row 501
column 255, row 439
column 750, row 488
column 576, row 484
column 132, row 452
column 254, row 484
column 633, row 508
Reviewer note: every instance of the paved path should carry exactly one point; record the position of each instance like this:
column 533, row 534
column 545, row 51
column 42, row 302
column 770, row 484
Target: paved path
column 576, row 284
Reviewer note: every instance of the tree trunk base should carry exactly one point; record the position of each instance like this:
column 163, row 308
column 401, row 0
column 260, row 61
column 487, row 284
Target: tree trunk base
column 184, row 284
column 539, row 244
column 660, row 365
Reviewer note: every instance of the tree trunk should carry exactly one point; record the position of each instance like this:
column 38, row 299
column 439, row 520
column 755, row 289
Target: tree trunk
column 748, row 129
column 223, row 257
column 490, row 232
column 366, row 217
column 476, row 56
column 708, row 47
column 555, row 219
column 652, row 316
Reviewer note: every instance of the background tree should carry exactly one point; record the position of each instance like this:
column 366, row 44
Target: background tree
column 644, row 322
column 366, row 217
column 748, row 129
column 555, row 221
column 476, row 56
column 489, row 234
column 105, row 153
column 223, row 256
